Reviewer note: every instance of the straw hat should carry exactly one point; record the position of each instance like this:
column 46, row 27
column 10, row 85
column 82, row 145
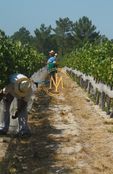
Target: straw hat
column 22, row 87
column 51, row 52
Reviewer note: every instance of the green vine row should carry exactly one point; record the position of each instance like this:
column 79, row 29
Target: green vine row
column 93, row 60
column 17, row 58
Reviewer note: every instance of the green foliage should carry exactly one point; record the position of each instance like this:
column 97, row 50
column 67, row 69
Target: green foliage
column 43, row 38
column 17, row 58
column 94, row 60
column 63, row 32
column 22, row 35
column 84, row 31
column 83, row 47
column 66, row 36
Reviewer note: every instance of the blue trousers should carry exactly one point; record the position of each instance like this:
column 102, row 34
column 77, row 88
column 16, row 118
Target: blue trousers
column 21, row 113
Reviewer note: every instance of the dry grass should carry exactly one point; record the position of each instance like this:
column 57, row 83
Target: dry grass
column 108, row 121
column 110, row 130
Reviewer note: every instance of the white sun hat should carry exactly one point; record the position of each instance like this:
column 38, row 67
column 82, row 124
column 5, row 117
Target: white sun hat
column 22, row 85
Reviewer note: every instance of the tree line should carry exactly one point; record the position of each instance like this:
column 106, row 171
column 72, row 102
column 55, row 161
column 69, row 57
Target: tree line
column 64, row 38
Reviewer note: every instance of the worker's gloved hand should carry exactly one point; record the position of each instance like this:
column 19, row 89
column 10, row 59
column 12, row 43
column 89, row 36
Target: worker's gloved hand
column 15, row 116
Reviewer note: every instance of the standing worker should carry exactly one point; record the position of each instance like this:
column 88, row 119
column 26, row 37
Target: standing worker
column 20, row 87
column 51, row 64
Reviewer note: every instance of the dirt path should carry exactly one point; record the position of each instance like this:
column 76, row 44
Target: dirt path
column 70, row 136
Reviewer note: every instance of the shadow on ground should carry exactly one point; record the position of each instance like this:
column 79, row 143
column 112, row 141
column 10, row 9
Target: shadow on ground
column 36, row 154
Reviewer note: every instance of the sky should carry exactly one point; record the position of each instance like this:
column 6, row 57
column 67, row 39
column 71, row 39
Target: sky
column 15, row 14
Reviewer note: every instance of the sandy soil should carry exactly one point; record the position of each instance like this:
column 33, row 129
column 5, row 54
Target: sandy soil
column 70, row 135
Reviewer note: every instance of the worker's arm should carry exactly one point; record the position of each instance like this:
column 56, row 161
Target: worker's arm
column 1, row 94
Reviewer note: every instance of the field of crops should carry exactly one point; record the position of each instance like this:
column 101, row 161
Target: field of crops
column 93, row 60
column 17, row 58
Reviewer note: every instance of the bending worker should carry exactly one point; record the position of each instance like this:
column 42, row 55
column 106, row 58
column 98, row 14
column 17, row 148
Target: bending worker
column 20, row 87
